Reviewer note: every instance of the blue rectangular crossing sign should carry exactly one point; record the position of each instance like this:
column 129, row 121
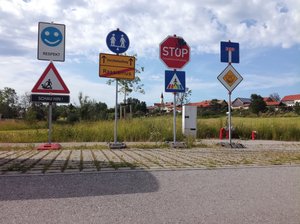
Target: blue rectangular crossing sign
column 230, row 52
column 174, row 81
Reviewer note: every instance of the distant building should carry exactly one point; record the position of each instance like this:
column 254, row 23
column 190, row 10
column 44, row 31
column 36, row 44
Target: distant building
column 241, row 103
column 166, row 107
column 208, row 103
column 291, row 100
column 271, row 103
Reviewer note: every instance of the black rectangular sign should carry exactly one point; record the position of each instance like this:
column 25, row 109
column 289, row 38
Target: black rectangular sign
column 50, row 98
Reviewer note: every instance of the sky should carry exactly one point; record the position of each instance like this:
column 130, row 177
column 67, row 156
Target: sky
column 268, row 33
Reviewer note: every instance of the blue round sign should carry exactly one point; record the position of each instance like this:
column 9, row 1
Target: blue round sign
column 117, row 41
column 51, row 36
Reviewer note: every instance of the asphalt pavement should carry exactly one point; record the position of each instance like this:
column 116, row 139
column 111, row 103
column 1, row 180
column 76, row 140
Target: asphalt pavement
column 269, row 195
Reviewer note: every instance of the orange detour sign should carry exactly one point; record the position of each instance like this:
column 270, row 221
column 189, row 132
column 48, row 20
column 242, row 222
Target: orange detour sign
column 116, row 66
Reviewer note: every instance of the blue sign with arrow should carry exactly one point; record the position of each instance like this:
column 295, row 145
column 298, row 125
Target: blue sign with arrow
column 174, row 81
column 230, row 52
column 117, row 41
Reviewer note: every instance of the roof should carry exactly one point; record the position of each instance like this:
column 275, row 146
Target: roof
column 268, row 99
column 274, row 103
column 205, row 103
column 291, row 97
column 244, row 100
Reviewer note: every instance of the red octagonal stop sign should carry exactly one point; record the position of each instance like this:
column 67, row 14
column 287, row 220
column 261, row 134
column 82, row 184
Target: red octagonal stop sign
column 174, row 52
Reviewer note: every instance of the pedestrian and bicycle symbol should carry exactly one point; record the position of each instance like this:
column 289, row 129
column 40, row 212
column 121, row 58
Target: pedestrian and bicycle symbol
column 174, row 81
column 117, row 41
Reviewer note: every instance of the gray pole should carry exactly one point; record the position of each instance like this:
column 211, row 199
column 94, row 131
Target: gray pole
column 229, row 101
column 116, row 113
column 50, row 123
column 174, row 119
column 229, row 116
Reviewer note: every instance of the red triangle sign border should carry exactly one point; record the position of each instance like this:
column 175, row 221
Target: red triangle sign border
column 36, row 89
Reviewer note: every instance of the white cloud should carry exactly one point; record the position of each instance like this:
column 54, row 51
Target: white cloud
column 203, row 24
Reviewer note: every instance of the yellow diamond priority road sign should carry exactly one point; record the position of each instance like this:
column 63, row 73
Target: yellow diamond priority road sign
column 230, row 78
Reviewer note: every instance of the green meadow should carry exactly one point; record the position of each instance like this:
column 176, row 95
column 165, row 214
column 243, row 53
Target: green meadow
column 154, row 129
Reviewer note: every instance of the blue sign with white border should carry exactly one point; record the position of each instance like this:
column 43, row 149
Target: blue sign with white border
column 230, row 49
column 117, row 41
column 174, row 81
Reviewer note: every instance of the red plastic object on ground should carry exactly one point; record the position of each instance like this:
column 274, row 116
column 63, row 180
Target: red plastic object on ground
column 222, row 132
column 253, row 135
column 49, row 146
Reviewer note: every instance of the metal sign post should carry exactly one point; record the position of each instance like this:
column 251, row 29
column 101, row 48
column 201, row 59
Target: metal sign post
column 174, row 120
column 229, row 97
column 118, row 67
column 230, row 78
column 51, row 47
column 116, row 115
column 175, row 82
column 229, row 117
column 175, row 53
column 50, row 123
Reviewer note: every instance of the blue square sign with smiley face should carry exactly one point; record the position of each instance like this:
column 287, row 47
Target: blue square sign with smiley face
column 51, row 42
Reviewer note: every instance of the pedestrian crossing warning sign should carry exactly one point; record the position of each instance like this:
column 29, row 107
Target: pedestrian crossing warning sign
column 50, row 82
column 174, row 81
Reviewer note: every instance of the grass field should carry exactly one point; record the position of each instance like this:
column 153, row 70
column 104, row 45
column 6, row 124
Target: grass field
column 149, row 129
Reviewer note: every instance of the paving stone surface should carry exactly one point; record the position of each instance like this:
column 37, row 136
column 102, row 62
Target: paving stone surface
column 93, row 158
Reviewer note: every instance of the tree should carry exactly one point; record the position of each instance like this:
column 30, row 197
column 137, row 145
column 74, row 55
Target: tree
column 297, row 108
column 37, row 111
column 257, row 104
column 275, row 96
column 90, row 109
column 138, row 107
column 25, row 104
column 72, row 113
column 9, row 107
column 184, row 98
column 128, row 86
column 217, row 106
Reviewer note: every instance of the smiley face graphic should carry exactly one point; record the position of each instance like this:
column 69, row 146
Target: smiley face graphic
column 51, row 36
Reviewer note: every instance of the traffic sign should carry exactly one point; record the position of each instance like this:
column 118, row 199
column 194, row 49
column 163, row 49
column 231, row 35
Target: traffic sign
column 117, row 41
column 174, row 52
column 116, row 66
column 230, row 52
column 50, row 82
column 230, row 78
column 51, row 42
column 50, row 98
column 174, row 81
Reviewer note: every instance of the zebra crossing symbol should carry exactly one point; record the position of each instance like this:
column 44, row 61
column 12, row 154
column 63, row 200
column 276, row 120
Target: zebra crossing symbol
column 174, row 81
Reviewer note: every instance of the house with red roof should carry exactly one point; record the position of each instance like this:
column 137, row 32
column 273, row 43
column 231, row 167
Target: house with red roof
column 291, row 100
column 270, row 102
column 208, row 103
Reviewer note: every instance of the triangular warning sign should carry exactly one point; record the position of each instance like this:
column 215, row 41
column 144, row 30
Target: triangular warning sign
column 175, row 83
column 50, row 82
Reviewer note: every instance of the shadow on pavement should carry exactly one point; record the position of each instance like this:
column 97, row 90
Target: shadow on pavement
column 76, row 185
